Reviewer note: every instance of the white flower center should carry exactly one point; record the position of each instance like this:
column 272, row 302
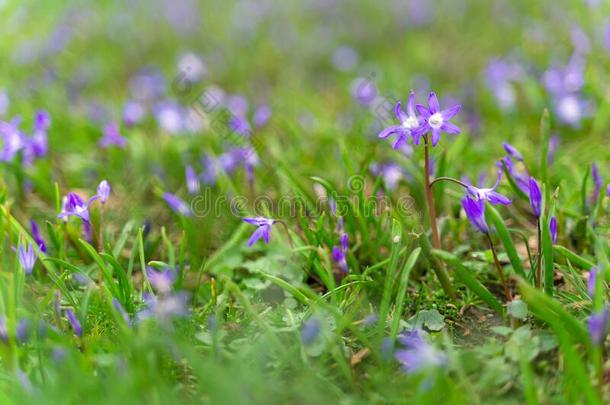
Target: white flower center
column 410, row 123
column 436, row 120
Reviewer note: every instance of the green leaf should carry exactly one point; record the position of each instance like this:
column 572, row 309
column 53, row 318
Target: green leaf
column 402, row 290
column 469, row 280
column 431, row 320
column 573, row 257
column 517, row 309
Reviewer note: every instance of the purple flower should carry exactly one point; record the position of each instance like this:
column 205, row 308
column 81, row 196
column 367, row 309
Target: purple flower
column 42, row 121
column 177, row 204
column 37, row 236
column 112, row 137
column 192, row 181
column 261, row 116
column 103, row 191
column 592, row 281
column 133, row 112
column 475, row 211
column 553, row 146
column 418, row 354
column 522, row 179
column 598, row 183
column 263, row 230
column 598, row 326
column 553, row 229
column 13, row 139
column 74, row 205
column 364, row 91
column 119, row 308
column 23, row 331
column 3, row 329
column 535, row 197
column 310, row 331
column 74, row 323
column 489, row 194
column 608, row 191
column 239, row 125
column 27, row 258
column 339, row 254
column 391, row 173
column 512, row 151
column 436, row 120
column 169, row 116
column 409, row 122
column 162, row 281
column 163, row 308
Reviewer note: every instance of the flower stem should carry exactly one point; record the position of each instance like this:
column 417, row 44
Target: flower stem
column 456, row 181
column 539, row 264
column 500, row 270
column 439, row 270
column 436, row 240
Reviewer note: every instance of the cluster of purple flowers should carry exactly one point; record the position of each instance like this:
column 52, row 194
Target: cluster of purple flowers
column 15, row 141
column 418, row 120
column 598, row 320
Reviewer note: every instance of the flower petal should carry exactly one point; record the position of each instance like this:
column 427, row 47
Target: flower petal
column 450, row 112
column 497, row 198
column 259, row 233
column 389, row 131
column 411, row 104
column 450, row 128
column 436, row 135
column 400, row 114
column 423, row 111
column 433, row 103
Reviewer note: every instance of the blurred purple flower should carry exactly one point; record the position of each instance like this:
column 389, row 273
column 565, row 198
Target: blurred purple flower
column 3, row 330
column 339, row 253
column 112, row 137
column 436, row 120
column 364, row 90
column 263, row 231
column 37, row 236
column 553, row 229
column 192, row 181
column 162, row 281
column 27, row 258
column 119, row 308
column 74, row 323
column 553, row 146
column 310, row 331
column 512, row 151
column 177, row 204
column 345, row 58
column 475, row 211
column 598, row 183
column 418, row 353
column 391, row 173
column 163, row 308
column 535, row 197
column 133, row 113
column 592, row 281
column 23, row 330
column 169, row 116
column 261, row 116
column 598, row 325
